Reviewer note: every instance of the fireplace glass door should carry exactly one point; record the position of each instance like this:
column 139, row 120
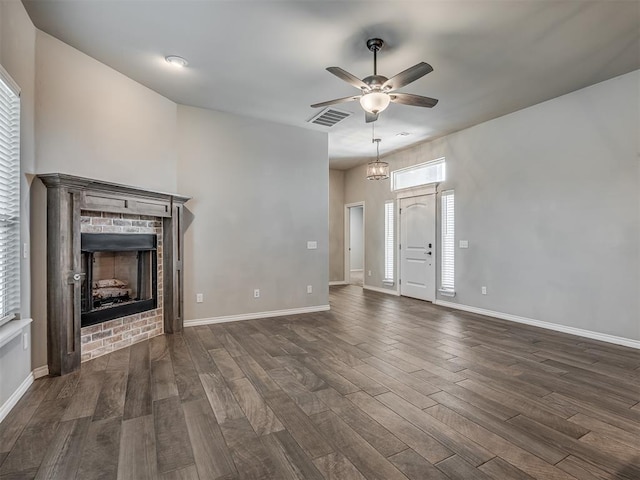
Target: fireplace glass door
column 120, row 275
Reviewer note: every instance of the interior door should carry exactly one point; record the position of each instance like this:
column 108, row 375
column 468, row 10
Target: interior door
column 418, row 247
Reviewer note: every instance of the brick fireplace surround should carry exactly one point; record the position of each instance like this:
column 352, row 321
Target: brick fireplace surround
column 105, row 337
column 78, row 205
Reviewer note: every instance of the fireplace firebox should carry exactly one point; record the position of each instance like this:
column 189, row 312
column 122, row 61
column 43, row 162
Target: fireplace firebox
column 120, row 273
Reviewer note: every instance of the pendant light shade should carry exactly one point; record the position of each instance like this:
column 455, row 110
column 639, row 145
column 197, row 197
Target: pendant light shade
column 377, row 170
column 375, row 102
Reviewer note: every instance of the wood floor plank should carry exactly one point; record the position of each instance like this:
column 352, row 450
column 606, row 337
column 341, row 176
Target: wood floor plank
column 291, row 460
column 138, row 396
column 415, row 438
column 306, row 400
column 297, row 424
column 251, row 458
column 172, row 438
column 64, row 453
column 456, row 468
column 397, row 387
column 224, row 405
column 211, row 454
column 85, row 400
column 363, row 456
column 415, row 466
column 511, row 433
column 137, row 457
column 500, row 469
column 112, row 395
column 99, row 458
column 379, row 437
column 226, row 364
column 258, row 376
column 187, row 473
column 517, row 456
column 187, row 379
column 259, row 414
column 336, row 466
column 163, row 382
column 445, row 435
column 12, row 425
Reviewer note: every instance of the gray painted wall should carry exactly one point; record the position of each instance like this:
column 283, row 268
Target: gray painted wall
column 336, row 225
column 260, row 192
column 356, row 238
column 17, row 56
column 549, row 200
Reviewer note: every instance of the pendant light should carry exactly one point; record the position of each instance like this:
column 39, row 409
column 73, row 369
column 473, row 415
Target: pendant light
column 377, row 170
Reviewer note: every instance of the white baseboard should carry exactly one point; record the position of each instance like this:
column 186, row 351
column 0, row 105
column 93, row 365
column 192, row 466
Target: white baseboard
column 382, row 290
column 338, row 282
column 603, row 337
column 253, row 316
column 40, row 372
column 15, row 396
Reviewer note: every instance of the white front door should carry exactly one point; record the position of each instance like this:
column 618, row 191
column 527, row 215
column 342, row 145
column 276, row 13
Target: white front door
column 418, row 247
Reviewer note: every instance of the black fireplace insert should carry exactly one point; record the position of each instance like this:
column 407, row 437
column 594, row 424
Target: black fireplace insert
column 120, row 275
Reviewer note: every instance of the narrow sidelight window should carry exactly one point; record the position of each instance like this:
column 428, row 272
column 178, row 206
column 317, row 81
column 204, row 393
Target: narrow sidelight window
column 447, row 274
column 388, row 242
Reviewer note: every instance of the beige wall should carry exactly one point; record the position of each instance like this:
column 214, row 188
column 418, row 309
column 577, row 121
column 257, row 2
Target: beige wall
column 336, row 225
column 94, row 122
column 17, row 57
column 260, row 192
column 549, row 200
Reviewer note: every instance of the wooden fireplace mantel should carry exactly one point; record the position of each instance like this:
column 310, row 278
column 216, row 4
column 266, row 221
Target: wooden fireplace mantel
column 67, row 195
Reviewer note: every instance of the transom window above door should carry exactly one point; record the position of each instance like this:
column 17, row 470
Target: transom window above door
column 418, row 175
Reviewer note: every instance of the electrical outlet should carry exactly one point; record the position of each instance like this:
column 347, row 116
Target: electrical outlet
column 25, row 250
column 256, row 293
column 369, row 273
column 199, row 298
column 25, row 341
column 309, row 289
column 484, row 290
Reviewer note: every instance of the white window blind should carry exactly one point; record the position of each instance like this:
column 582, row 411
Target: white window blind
column 447, row 274
column 418, row 175
column 9, row 199
column 388, row 242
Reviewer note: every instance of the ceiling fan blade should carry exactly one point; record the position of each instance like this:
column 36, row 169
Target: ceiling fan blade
column 347, row 77
column 370, row 117
column 415, row 100
column 407, row 76
column 337, row 100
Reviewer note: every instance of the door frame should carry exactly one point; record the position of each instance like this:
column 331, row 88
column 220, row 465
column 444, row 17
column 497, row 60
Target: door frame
column 422, row 192
column 347, row 241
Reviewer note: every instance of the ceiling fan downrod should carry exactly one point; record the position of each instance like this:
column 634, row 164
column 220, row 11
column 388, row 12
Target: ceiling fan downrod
column 375, row 44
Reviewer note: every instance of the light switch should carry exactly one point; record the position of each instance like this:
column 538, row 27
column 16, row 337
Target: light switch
column 312, row 245
column 464, row 243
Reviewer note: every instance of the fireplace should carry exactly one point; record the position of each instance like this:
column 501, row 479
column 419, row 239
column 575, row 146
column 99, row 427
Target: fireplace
column 120, row 275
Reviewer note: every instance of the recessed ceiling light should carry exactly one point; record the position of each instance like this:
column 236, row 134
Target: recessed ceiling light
column 176, row 61
column 403, row 134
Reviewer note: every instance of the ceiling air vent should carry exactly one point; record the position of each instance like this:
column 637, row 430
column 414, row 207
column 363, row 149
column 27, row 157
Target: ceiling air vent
column 329, row 117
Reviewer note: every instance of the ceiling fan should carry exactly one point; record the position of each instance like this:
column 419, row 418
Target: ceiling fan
column 377, row 90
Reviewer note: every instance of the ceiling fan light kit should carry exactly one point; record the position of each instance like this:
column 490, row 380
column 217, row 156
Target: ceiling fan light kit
column 376, row 90
column 375, row 102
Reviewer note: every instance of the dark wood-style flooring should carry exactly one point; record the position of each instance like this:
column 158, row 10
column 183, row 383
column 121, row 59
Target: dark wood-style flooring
column 378, row 388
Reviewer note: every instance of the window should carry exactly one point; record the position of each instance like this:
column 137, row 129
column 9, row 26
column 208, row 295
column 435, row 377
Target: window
column 388, row 242
column 417, row 175
column 447, row 274
column 9, row 198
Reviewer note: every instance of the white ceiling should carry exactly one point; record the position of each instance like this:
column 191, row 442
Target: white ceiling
column 266, row 58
